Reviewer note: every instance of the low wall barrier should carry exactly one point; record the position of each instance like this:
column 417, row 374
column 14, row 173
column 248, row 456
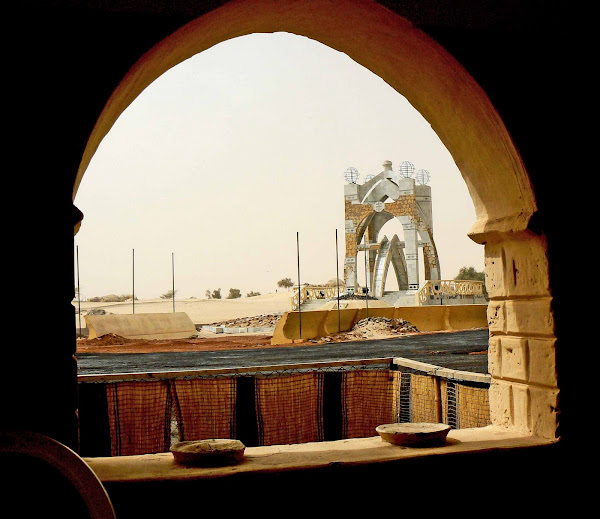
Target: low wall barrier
column 142, row 413
column 321, row 323
column 172, row 325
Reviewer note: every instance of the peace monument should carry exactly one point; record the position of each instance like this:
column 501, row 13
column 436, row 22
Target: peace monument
column 404, row 195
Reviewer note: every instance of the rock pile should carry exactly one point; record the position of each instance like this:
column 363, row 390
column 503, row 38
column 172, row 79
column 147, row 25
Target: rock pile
column 384, row 323
column 96, row 311
column 258, row 321
column 374, row 328
column 108, row 339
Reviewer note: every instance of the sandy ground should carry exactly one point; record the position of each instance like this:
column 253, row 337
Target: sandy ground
column 208, row 342
column 201, row 311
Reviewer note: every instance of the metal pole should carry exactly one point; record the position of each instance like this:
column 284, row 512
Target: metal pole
column 299, row 286
column 337, row 279
column 78, row 291
column 366, row 281
column 173, row 271
column 133, row 278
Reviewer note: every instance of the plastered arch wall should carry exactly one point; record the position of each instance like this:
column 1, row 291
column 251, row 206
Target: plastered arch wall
column 524, row 390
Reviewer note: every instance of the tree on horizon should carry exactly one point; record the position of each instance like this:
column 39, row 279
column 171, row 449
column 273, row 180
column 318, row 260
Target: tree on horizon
column 285, row 283
column 470, row 274
column 234, row 293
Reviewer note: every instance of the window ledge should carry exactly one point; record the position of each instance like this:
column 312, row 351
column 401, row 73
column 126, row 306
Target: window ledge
column 358, row 451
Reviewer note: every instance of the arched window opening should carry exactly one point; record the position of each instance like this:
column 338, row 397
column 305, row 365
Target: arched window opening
column 227, row 156
column 523, row 395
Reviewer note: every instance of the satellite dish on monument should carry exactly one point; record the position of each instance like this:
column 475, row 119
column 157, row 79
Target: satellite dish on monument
column 351, row 175
column 406, row 169
column 423, row 177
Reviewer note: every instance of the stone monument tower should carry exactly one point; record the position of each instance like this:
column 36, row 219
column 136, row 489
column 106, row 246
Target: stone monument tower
column 406, row 196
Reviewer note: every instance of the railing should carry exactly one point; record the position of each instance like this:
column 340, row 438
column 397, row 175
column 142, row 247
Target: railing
column 140, row 413
column 311, row 292
column 461, row 288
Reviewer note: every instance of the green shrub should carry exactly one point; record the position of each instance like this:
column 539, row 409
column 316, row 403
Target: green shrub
column 169, row 295
column 234, row 293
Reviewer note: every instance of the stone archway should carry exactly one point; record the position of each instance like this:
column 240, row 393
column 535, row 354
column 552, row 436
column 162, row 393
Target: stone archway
column 524, row 389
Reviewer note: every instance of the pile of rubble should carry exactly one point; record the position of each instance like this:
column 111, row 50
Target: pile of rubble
column 374, row 328
column 258, row 321
column 108, row 339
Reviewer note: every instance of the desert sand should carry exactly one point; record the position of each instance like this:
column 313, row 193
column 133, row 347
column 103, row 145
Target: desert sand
column 200, row 311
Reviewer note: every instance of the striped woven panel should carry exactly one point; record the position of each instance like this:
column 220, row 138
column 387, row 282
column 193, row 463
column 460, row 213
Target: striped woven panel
column 473, row 406
column 424, row 399
column 369, row 399
column 205, row 408
column 289, row 409
column 139, row 415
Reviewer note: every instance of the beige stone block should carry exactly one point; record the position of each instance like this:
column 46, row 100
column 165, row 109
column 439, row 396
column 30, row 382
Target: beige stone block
column 543, row 411
column 517, row 267
column 495, row 357
column 526, row 267
column 496, row 317
column 509, row 405
column 530, row 317
column 542, row 362
column 501, row 403
column 494, row 270
column 520, row 395
column 514, row 358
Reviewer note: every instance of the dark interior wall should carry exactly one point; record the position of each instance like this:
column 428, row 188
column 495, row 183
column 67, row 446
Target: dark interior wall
column 66, row 59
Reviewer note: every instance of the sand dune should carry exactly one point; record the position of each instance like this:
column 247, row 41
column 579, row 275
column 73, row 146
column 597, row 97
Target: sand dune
column 201, row 311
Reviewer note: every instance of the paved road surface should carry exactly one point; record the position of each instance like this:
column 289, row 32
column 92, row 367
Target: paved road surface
column 450, row 350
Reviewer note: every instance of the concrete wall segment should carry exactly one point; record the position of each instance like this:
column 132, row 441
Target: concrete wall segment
column 321, row 323
column 176, row 325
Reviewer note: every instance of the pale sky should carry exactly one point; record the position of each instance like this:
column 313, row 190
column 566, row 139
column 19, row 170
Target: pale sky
column 225, row 157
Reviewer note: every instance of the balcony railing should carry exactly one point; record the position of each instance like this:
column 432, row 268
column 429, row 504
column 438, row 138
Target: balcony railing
column 460, row 288
column 311, row 292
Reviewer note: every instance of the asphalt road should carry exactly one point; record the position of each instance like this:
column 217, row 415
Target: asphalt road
column 450, row 350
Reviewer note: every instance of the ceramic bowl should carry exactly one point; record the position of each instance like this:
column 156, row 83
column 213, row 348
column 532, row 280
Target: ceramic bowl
column 419, row 434
column 211, row 452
